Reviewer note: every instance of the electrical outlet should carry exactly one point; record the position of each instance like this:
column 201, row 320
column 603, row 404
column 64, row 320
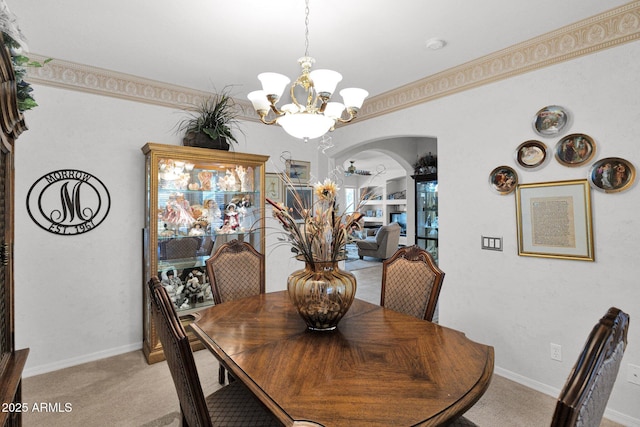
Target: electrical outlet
column 556, row 352
column 633, row 374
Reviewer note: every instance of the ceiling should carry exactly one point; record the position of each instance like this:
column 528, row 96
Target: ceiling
column 209, row 44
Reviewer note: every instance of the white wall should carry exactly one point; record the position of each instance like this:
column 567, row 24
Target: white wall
column 78, row 298
column 520, row 305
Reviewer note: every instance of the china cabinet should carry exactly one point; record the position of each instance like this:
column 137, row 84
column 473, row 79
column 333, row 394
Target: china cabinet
column 12, row 361
column 196, row 200
column 427, row 213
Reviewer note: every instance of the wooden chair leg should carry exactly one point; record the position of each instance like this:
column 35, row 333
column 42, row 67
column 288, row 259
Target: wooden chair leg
column 221, row 375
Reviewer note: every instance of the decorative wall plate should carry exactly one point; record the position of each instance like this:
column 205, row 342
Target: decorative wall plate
column 612, row 174
column 531, row 154
column 575, row 149
column 550, row 121
column 503, row 180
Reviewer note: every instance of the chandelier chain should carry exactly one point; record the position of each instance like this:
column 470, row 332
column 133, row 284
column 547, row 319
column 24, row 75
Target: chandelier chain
column 306, row 27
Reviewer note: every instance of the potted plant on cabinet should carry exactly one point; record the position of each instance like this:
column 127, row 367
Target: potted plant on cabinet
column 211, row 123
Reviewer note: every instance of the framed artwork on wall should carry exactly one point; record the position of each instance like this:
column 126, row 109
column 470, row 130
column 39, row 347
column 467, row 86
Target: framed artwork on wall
column 298, row 171
column 554, row 220
column 612, row 175
column 299, row 198
column 273, row 187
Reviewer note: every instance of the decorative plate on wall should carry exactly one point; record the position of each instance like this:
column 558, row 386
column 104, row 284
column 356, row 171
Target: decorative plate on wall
column 503, row 180
column 550, row 121
column 575, row 149
column 531, row 154
column 612, row 174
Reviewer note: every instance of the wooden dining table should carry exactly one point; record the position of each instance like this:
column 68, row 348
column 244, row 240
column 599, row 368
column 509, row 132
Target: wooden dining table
column 378, row 368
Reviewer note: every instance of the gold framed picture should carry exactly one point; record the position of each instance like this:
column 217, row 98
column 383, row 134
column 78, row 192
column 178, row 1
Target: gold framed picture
column 554, row 220
column 273, row 187
column 298, row 171
column 299, row 199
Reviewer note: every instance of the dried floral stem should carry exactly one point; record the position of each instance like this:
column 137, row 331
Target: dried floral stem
column 322, row 233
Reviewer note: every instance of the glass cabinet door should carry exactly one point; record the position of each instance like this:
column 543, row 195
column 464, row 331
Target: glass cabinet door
column 202, row 205
column 427, row 213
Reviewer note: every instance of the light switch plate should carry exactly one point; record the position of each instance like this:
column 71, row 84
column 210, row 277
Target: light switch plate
column 492, row 243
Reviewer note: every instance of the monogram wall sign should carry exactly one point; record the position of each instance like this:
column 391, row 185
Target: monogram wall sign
column 68, row 202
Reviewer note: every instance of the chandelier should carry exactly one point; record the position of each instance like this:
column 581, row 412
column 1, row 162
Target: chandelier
column 315, row 117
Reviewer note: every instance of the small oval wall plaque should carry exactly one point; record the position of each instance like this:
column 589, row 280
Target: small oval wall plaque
column 68, row 202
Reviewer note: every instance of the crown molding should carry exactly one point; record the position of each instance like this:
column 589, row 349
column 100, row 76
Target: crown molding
column 609, row 29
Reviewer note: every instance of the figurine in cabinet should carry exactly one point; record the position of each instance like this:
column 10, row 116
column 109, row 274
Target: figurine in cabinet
column 194, row 289
column 205, row 180
column 231, row 222
column 196, row 230
column 246, row 177
column 173, row 285
column 177, row 211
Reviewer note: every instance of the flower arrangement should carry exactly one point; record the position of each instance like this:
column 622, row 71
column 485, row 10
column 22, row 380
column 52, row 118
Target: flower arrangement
column 323, row 232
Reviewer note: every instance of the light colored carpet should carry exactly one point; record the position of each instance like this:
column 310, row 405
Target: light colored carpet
column 123, row 391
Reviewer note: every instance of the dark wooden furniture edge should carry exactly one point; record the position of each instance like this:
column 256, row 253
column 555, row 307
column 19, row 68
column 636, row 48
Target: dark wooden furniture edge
column 472, row 396
column 11, row 381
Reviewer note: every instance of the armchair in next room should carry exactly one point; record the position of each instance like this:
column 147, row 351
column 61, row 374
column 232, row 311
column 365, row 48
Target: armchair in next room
column 383, row 244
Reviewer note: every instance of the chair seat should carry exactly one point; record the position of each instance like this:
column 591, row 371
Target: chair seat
column 234, row 405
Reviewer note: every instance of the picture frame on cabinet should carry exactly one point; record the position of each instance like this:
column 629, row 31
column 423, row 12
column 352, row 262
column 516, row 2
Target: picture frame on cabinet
column 575, row 150
column 612, row 175
column 554, row 220
column 298, row 171
column 273, row 186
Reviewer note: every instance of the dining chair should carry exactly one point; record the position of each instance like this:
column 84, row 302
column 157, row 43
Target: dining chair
column 231, row 405
column 235, row 270
column 411, row 282
column 585, row 394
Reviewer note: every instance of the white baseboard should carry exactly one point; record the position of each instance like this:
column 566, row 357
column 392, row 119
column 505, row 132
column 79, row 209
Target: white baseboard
column 610, row 414
column 43, row 369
